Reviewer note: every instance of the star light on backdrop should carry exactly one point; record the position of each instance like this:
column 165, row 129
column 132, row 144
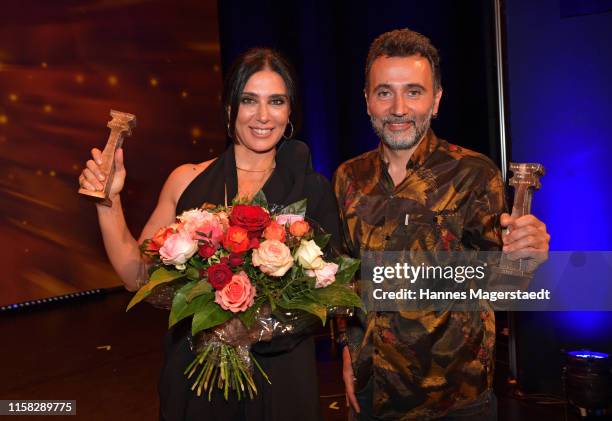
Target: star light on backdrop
column 54, row 105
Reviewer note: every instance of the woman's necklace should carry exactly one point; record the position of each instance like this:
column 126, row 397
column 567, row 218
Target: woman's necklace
column 248, row 185
column 247, row 170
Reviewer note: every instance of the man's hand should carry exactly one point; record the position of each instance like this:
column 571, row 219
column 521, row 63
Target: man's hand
column 526, row 238
column 349, row 379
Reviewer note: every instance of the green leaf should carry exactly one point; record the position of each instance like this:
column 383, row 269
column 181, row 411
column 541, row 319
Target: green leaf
column 308, row 305
column 337, row 295
column 196, row 262
column 322, row 240
column 193, row 274
column 248, row 317
column 181, row 307
column 210, row 314
column 347, row 267
column 201, row 287
column 158, row 277
column 260, row 199
column 297, row 208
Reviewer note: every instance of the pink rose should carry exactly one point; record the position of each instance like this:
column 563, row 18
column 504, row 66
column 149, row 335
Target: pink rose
column 288, row 218
column 201, row 224
column 178, row 248
column 238, row 295
column 273, row 258
column 325, row 276
column 193, row 218
column 212, row 231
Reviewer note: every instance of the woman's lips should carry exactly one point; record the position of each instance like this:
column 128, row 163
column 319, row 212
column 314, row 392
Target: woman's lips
column 261, row 132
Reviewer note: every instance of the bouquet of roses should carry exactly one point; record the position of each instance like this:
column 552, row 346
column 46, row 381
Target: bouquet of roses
column 244, row 273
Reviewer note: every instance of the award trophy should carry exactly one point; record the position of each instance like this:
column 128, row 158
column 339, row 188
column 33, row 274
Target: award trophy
column 525, row 179
column 121, row 125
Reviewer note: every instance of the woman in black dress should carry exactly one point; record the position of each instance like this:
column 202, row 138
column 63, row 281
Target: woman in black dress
column 259, row 99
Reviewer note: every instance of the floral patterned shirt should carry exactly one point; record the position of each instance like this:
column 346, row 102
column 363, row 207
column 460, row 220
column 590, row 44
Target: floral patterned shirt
column 422, row 364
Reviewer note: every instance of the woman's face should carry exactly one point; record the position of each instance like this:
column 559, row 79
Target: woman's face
column 263, row 112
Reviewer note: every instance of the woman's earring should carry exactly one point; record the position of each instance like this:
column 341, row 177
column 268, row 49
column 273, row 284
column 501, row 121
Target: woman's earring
column 228, row 131
column 291, row 134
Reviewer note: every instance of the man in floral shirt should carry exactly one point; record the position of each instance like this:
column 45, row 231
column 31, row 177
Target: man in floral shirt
column 418, row 192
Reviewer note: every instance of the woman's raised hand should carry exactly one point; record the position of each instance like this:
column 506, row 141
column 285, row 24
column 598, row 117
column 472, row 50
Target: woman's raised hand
column 92, row 178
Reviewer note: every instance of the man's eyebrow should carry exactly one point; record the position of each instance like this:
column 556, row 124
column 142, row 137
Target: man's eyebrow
column 413, row 86
column 406, row 86
column 382, row 86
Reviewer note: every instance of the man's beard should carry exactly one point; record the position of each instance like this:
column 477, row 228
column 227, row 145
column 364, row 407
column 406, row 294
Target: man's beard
column 407, row 138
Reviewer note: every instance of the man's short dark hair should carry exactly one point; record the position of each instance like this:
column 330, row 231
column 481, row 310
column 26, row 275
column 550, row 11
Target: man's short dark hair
column 404, row 43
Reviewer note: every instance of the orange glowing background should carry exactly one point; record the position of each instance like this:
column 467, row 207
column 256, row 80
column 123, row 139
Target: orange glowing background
column 63, row 66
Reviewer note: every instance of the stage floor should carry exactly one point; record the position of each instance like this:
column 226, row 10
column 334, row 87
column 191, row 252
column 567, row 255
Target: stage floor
column 92, row 351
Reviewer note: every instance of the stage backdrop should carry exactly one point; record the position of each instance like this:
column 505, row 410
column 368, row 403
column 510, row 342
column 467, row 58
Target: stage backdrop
column 559, row 62
column 63, row 66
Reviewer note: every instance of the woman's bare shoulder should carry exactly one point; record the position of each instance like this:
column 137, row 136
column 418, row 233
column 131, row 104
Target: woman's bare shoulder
column 183, row 175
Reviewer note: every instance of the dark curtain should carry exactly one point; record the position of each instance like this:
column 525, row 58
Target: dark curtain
column 328, row 42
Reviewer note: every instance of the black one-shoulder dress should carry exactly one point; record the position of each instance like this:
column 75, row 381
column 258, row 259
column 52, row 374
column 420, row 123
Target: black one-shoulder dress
column 289, row 361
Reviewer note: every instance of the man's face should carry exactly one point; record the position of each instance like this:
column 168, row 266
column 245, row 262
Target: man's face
column 401, row 99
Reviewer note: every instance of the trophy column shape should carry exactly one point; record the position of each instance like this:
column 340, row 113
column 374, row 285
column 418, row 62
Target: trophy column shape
column 121, row 126
column 525, row 179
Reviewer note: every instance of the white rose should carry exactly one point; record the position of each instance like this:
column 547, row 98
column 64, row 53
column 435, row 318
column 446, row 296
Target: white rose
column 273, row 258
column 178, row 248
column 308, row 255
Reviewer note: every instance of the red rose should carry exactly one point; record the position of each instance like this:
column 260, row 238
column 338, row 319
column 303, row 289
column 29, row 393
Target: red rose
column 152, row 247
column 219, row 275
column 206, row 250
column 254, row 243
column 236, row 239
column 235, row 259
column 254, row 219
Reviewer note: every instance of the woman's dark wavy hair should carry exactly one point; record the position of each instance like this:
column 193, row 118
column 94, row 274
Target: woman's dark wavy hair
column 248, row 63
